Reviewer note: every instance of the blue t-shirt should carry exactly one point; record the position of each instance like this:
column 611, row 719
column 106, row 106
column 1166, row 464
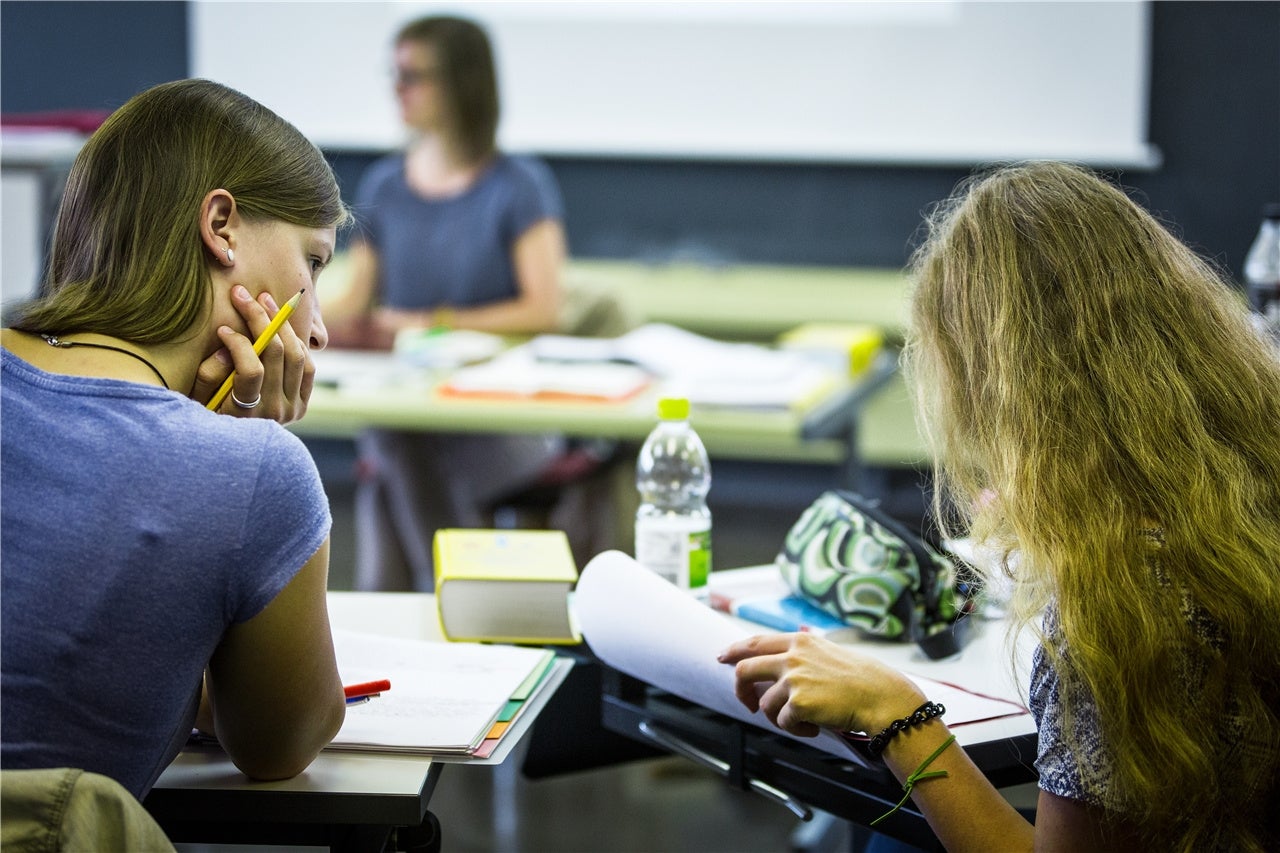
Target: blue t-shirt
column 135, row 527
column 453, row 251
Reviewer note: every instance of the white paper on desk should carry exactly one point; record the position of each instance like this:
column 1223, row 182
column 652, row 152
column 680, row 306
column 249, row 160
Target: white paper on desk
column 443, row 696
column 706, row 371
column 517, row 373
column 640, row 624
column 446, row 349
column 364, row 371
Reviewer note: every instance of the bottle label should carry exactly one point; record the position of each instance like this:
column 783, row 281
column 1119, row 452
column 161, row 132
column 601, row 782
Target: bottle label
column 675, row 550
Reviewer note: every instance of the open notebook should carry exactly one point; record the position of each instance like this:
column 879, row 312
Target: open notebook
column 709, row 372
column 445, row 698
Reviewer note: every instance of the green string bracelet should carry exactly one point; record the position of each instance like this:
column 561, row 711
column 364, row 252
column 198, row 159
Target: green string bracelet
column 918, row 776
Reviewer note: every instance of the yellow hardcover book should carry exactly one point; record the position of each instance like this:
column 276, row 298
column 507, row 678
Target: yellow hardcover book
column 505, row 586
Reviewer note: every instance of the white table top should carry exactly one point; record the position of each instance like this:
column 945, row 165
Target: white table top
column 395, row 787
column 985, row 665
column 687, row 643
column 396, row 784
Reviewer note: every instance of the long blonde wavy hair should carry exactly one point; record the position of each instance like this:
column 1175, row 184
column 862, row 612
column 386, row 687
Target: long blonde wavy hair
column 1099, row 405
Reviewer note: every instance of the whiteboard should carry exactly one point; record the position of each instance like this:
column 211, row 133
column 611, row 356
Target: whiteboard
column 940, row 82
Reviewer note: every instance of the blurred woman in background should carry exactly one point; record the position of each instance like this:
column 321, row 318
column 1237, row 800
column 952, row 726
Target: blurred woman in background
column 455, row 234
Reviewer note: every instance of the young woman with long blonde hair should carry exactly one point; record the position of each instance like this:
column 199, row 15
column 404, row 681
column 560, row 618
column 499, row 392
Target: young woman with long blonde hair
column 1099, row 407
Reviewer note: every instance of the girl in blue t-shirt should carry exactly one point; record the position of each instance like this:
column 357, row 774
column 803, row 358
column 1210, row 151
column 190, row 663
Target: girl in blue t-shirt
column 164, row 565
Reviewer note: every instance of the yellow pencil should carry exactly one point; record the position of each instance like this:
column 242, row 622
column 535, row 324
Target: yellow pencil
column 258, row 346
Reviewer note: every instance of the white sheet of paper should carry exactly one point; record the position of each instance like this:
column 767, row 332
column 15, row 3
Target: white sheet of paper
column 640, row 624
column 707, row 371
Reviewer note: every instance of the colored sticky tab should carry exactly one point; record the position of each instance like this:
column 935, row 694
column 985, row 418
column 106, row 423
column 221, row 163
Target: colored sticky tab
column 535, row 677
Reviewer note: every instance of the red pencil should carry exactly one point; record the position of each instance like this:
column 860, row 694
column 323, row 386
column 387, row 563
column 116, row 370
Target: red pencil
column 368, row 688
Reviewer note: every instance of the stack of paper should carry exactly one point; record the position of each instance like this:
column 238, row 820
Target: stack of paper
column 365, row 372
column 517, row 373
column 707, row 371
column 445, row 698
column 446, row 349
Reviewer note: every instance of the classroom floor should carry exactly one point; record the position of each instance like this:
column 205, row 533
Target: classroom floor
column 654, row 805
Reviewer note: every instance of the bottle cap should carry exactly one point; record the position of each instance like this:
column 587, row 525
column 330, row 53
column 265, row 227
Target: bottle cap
column 673, row 408
column 1271, row 210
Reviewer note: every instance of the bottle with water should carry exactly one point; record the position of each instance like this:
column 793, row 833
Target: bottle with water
column 673, row 524
column 1262, row 272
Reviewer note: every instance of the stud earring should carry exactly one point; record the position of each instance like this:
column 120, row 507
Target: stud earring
column 231, row 256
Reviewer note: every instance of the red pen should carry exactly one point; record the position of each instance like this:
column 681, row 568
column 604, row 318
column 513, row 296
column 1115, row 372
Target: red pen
column 368, row 688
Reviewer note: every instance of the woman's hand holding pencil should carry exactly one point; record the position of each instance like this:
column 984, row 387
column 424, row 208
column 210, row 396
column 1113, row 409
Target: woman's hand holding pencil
column 271, row 377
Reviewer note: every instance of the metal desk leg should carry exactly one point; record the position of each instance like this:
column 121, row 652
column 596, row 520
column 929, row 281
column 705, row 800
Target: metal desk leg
column 423, row 838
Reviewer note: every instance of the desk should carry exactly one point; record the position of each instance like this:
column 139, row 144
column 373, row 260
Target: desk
column 750, row 301
column 732, row 302
column 794, row 772
column 344, row 800
column 754, row 302
column 821, row 430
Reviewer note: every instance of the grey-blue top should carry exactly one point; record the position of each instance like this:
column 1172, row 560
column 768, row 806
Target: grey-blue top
column 453, row 251
column 135, row 528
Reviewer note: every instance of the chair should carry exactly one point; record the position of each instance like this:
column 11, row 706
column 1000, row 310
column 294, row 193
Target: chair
column 66, row 809
column 592, row 310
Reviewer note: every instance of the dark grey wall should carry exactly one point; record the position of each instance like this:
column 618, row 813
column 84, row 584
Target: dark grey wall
column 87, row 55
column 1215, row 113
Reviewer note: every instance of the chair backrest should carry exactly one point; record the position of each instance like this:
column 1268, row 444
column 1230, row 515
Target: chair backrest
column 594, row 311
column 65, row 809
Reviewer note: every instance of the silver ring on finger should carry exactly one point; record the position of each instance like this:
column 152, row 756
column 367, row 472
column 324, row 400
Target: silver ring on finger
column 252, row 404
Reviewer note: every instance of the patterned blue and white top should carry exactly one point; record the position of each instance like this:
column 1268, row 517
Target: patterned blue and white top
column 1076, row 769
column 1079, row 767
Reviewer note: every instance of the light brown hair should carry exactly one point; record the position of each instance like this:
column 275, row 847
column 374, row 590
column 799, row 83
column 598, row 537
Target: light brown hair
column 127, row 259
column 467, row 77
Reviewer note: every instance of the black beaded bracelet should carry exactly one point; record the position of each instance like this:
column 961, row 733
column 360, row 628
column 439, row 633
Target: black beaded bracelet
column 924, row 713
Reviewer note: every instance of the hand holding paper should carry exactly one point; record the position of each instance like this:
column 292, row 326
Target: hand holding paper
column 802, row 682
column 641, row 625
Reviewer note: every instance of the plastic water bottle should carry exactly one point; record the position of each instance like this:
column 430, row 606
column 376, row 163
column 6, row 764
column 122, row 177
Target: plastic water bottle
column 1262, row 272
column 673, row 476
